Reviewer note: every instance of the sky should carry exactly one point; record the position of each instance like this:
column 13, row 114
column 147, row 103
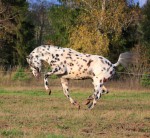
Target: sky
column 141, row 2
column 52, row 1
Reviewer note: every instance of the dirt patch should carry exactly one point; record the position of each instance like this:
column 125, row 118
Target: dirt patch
column 4, row 124
column 136, row 127
column 86, row 130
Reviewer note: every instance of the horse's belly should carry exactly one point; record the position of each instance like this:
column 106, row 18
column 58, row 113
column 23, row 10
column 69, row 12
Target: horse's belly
column 78, row 75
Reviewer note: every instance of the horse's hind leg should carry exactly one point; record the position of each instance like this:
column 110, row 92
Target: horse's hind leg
column 91, row 97
column 97, row 92
column 64, row 83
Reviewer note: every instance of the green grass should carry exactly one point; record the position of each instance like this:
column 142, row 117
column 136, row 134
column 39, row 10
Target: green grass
column 33, row 113
column 11, row 133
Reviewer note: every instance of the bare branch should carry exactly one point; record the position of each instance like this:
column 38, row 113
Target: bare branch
column 9, row 18
column 4, row 10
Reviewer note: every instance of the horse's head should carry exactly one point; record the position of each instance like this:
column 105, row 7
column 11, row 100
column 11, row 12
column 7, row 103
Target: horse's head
column 35, row 64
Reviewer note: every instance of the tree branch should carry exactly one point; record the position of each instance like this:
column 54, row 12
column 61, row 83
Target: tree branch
column 9, row 18
column 3, row 11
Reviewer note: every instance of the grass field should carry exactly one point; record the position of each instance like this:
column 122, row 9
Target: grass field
column 33, row 113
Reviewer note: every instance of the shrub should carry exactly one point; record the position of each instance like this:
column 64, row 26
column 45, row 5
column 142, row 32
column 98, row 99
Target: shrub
column 20, row 75
column 145, row 80
column 47, row 69
column 53, row 76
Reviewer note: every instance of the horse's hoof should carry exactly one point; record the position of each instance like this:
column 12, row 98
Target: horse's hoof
column 90, row 105
column 77, row 105
column 49, row 92
column 87, row 102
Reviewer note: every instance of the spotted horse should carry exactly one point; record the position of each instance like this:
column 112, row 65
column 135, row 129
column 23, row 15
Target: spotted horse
column 70, row 64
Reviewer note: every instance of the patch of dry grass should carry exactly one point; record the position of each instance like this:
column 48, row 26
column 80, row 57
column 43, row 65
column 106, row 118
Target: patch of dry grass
column 30, row 112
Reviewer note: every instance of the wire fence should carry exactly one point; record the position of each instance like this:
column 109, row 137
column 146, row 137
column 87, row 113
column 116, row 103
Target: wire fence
column 126, row 73
column 121, row 80
column 134, row 74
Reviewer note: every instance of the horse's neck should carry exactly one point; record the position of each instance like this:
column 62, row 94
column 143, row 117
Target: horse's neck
column 44, row 55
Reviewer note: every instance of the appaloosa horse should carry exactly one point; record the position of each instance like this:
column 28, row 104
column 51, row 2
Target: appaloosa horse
column 70, row 64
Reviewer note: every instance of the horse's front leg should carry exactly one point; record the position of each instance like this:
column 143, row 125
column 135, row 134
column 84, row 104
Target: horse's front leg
column 46, row 82
column 65, row 87
column 57, row 71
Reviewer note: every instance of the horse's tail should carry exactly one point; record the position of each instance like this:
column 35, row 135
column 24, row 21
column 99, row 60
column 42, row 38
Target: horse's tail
column 124, row 59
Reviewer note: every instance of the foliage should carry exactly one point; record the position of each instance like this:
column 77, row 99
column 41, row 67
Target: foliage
column 6, row 56
column 53, row 76
column 145, row 30
column 146, row 22
column 100, row 25
column 20, row 75
column 145, row 80
column 142, row 49
column 61, row 18
column 25, row 41
column 47, row 68
column 10, row 14
column 17, row 32
column 88, row 40
column 39, row 17
column 140, row 63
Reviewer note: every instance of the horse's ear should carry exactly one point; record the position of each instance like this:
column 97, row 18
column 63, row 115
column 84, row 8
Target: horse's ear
column 27, row 58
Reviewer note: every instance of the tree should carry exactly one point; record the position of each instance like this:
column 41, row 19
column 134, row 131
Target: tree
column 101, row 24
column 9, row 17
column 39, row 17
column 146, row 22
column 144, row 28
column 62, row 18
column 16, row 32
column 141, row 50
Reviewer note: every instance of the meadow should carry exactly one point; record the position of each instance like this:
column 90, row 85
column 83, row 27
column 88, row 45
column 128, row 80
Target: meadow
column 30, row 112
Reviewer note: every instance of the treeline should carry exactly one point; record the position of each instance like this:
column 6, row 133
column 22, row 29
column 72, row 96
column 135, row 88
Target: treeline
column 101, row 27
